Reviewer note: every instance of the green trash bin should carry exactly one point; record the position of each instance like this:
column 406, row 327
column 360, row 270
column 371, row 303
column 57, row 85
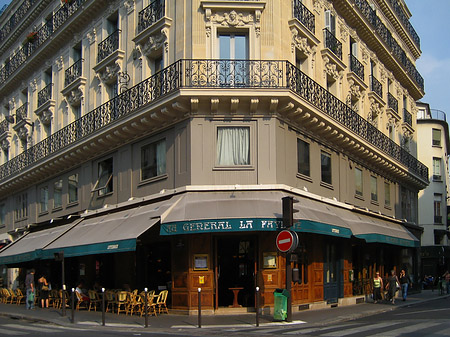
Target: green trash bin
column 280, row 304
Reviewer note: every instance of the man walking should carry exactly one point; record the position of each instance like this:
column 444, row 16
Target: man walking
column 30, row 286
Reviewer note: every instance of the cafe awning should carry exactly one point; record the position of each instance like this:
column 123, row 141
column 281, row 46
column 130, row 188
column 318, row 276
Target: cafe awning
column 108, row 233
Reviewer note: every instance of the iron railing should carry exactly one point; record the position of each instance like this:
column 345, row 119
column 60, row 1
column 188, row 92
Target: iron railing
column 407, row 117
column 332, row 43
column 22, row 112
column 404, row 19
column 357, row 67
column 150, row 14
column 108, row 46
column 4, row 126
column 304, row 15
column 217, row 74
column 438, row 219
column 386, row 35
column 45, row 94
column 16, row 18
column 376, row 86
column 42, row 35
column 73, row 72
column 392, row 102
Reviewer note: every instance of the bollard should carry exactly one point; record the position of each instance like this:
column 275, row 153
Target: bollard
column 72, row 304
column 63, row 304
column 103, row 306
column 146, row 307
column 257, row 306
column 199, row 307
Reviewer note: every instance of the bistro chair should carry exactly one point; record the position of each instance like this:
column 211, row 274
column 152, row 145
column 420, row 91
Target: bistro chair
column 53, row 298
column 6, row 296
column 161, row 302
column 121, row 301
column 94, row 300
column 13, row 297
column 110, row 300
column 81, row 303
column 20, row 297
column 134, row 304
column 151, row 304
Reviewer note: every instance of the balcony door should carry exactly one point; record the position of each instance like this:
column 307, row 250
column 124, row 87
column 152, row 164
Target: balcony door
column 232, row 67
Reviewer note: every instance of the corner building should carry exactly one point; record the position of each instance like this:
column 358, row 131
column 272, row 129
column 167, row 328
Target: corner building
column 152, row 142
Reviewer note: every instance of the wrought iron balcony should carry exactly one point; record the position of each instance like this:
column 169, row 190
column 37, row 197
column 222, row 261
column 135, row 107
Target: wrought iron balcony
column 108, row 46
column 304, row 15
column 407, row 117
column 4, row 126
column 42, row 35
column 376, row 86
column 438, row 219
column 404, row 19
column 16, row 18
column 45, row 94
column 150, row 14
column 357, row 67
column 73, row 72
column 22, row 113
column 386, row 35
column 332, row 43
column 201, row 74
column 392, row 102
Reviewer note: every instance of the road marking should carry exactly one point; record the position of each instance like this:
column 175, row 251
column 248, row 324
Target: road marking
column 419, row 312
column 28, row 328
column 316, row 329
column 362, row 328
column 194, row 326
column 406, row 329
column 13, row 333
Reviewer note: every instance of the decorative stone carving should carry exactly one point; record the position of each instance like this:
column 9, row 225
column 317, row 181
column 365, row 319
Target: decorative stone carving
column 5, row 144
column 129, row 5
column 11, row 103
column 391, row 121
column 59, row 62
column 33, row 85
column 91, row 36
column 22, row 133
column 331, row 69
column 232, row 19
column 299, row 42
column 155, row 42
column 113, row 5
column 136, row 52
column 47, row 116
column 344, row 30
column 355, row 90
column 75, row 96
column 110, row 73
column 375, row 108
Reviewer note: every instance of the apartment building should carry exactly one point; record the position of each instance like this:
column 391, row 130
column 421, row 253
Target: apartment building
column 152, row 143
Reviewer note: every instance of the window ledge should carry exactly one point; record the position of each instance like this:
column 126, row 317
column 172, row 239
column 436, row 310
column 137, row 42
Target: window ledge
column 388, row 207
column 105, row 195
column 42, row 213
column 326, row 185
column 153, row 179
column 56, row 209
column 72, row 204
column 304, row 177
column 360, row 197
column 374, row 202
column 234, row 168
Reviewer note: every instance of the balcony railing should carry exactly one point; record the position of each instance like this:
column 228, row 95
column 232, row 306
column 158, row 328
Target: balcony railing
column 150, row 14
column 392, row 102
column 16, row 18
column 376, row 86
column 404, row 19
column 386, row 35
column 108, row 46
column 407, row 117
column 438, row 219
column 357, row 67
column 332, row 43
column 45, row 94
column 73, row 72
column 304, row 15
column 42, row 35
column 22, row 113
column 4, row 126
column 202, row 74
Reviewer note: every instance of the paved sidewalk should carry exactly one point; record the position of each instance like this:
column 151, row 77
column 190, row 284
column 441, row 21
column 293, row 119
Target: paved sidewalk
column 246, row 320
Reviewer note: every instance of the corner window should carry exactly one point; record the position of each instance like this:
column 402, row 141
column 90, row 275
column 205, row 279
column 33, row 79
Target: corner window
column 303, row 165
column 325, row 166
column 153, row 160
column 72, row 189
column 57, row 194
column 437, row 169
column 21, row 206
column 43, row 199
column 358, row 182
column 436, row 137
column 233, row 146
column 104, row 184
column 387, row 194
column 373, row 188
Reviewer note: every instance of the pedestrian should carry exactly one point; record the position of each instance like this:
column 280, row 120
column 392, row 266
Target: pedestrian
column 377, row 286
column 30, row 287
column 404, row 283
column 446, row 277
column 392, row 286
column 44, row 291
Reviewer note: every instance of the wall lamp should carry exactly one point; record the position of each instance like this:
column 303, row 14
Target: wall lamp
column 10, row 119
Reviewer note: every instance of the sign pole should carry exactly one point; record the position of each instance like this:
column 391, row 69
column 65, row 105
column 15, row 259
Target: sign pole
column 289, row 286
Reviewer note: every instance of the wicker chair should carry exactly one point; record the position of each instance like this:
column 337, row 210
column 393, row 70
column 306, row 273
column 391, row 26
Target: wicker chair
column 94, row 300
column 161, row 302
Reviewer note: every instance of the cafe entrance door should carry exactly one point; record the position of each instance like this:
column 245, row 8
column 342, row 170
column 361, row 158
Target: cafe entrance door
column 235, row 271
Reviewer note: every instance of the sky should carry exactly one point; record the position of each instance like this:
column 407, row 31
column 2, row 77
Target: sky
column 434, row 64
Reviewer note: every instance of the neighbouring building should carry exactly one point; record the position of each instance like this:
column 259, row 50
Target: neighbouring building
column 432, row 150
column 152, row 143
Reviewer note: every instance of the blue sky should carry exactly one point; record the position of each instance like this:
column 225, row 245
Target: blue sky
column 434, row 64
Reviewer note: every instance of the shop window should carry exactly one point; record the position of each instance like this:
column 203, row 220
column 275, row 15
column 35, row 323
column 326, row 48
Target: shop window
column 325, row 165
column 57, row 194
column 153, row 160
column 21, row 206
column 358, row 182
column 233, row 146
column 104, row 184
column 436, row 137
column 43, row 199
column 387, row 194
column 373, row 189
column 72, row 189
column 303, row 164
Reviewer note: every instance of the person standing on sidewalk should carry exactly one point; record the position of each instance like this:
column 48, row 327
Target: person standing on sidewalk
column 377, row 286
column 404, row 283
column 446, row 277
column 392, row 286
column 30, row 286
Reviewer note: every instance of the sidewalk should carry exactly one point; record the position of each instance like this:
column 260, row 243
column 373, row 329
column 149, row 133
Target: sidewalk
column 242, row 321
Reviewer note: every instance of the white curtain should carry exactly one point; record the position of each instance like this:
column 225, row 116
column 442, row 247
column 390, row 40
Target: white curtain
column 233, row 146
column 161, row 157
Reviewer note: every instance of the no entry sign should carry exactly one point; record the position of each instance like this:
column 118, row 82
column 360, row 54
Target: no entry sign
column 287, row 241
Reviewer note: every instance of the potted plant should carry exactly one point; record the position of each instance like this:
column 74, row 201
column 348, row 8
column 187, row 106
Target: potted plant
column 67, row 2
column 31, row 37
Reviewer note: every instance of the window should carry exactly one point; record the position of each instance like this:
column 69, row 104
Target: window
column 232, row 48
column 104, row 184
column 153, row 160
column 325, row 165
column 233, row 146
column 330, row 22
column 303, row 157
column 2, row 215
column 43, row 199
column 387, row 194
column 72, row 183
column 358, row 182
column 373, row 188
column 437, row 169
column 436, row 137
column 57, row 194
column 21, row 207
column 437, row 208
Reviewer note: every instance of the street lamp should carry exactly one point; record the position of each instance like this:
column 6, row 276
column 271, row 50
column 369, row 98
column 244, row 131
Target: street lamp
column 10, row 119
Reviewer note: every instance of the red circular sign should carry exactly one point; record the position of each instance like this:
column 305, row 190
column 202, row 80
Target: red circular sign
column 285, row 241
